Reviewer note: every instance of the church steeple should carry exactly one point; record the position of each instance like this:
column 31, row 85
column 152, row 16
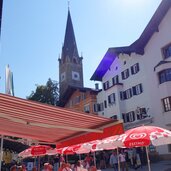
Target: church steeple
column 70, row 47
column 70, row 64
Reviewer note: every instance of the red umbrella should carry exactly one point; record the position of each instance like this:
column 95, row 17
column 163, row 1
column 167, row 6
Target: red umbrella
column 144, row 136
column 65, row 150
column 37, row 150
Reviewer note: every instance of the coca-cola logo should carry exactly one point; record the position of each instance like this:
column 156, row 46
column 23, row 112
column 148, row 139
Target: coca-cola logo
column 136, row 136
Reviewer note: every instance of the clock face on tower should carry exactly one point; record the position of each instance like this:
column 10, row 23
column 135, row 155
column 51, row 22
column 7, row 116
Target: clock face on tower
column 75, row 76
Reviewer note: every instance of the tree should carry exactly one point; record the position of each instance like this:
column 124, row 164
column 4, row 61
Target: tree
column 48, row 93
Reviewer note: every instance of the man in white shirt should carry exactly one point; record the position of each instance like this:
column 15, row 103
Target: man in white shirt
column 114, row 161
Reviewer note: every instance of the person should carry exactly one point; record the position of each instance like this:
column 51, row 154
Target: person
column 61, row 159
column 134, row 158
column 102, row 161
column 34, row 168
column 47, row 167
column 13, row 168
column 63, row 165
column 122, row 160
column 88, row 160
column 114, row 161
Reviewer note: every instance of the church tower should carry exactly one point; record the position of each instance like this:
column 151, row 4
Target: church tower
column 70, row 63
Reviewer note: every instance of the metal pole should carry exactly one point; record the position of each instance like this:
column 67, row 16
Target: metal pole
column 94, row 155
column 2, row 141
column 148, row 160
column 118, row 159
column 79, row 157
column 38, row 163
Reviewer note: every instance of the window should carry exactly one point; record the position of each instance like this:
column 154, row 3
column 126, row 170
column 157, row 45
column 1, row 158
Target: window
column 165, row 75
column 106, row 85
column 95, row 107
column 135, row 68
column 105, row 104
column 83, row 96
column 115, row 80
column 111, row 98
column 141, row 113
column 122, row 95
column 100, row 107
column 137, row 89
column 128, row 117
column 128, row 93
column 167, row 104
column 125, row 74
column 87, row 108
column 167, row 51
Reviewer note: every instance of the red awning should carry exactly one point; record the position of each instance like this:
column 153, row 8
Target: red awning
column 46, row 123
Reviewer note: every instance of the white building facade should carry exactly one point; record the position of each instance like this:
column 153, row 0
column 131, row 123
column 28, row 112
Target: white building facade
column 136, row 79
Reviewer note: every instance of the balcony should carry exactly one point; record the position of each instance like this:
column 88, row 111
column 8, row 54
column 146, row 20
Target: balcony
column 145, row 121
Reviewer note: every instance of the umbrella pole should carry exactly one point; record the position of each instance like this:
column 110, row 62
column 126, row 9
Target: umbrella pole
column 79, row 156
column 118, row 159
column 94, row 156
column 2, row 141
column 66, row 158
column 148, row 160
column 38, row 163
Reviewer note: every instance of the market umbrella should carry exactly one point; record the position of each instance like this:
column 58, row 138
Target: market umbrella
column 38, row 150
column 143, row 136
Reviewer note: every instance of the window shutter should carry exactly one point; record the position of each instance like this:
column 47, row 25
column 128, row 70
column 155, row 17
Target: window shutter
column 138, row 68
column 141, row 89
column 132, row 70
column 124, row 95
column 127, row 73
column 109, row 100
column 123, row 75
column 114, row 97
column 104, row 86
column 134, row 91
column 105, row 104
column 121, row 95
column 117, row 79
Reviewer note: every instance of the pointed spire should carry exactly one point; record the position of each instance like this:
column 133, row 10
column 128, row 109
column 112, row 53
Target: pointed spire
column 70, row 47
column 68, row 4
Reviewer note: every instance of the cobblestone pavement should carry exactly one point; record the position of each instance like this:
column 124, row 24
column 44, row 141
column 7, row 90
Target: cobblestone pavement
column 159, row 166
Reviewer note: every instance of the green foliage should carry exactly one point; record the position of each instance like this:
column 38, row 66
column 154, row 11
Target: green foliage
column 48, row 93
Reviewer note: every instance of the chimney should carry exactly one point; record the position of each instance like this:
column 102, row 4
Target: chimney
column 96, row 86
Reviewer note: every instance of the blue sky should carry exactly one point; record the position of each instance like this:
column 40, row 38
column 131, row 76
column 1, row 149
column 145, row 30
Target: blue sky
column 33, row 33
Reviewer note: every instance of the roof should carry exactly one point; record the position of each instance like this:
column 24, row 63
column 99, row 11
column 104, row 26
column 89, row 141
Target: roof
column 71, row 89
column 161, row 63
column 137, row 46
column 46, row 123
column 14, row 145
column 70, row 47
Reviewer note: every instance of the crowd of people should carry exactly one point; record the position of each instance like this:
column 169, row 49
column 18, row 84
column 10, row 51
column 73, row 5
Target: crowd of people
column 128, row 158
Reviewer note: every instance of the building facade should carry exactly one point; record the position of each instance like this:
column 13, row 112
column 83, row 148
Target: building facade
column 136, row 79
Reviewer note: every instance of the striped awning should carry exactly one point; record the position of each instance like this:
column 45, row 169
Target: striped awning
column 45, row 123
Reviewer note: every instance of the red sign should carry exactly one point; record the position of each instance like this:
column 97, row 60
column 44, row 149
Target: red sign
column 38, row 150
